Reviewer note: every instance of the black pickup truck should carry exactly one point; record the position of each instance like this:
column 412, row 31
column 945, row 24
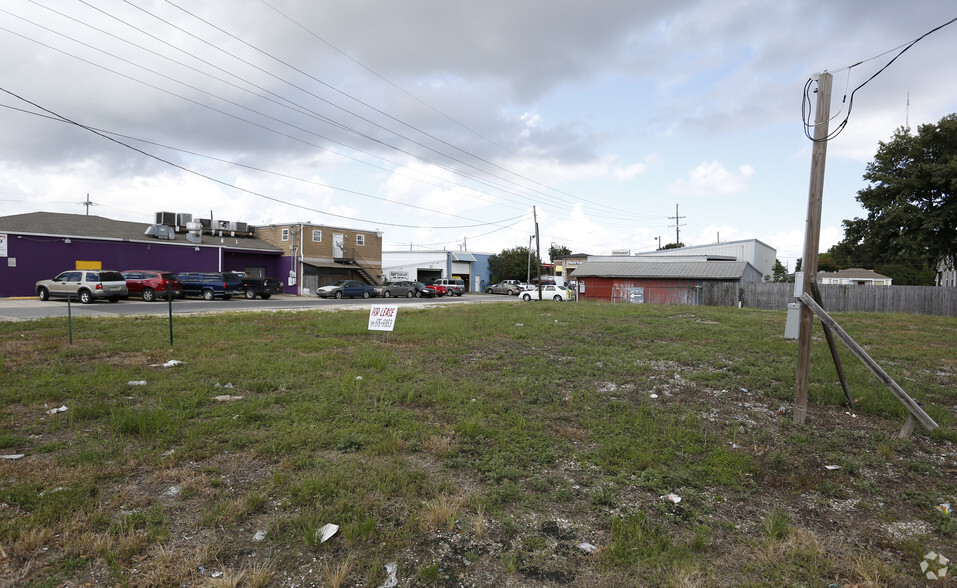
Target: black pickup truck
column 262, row 287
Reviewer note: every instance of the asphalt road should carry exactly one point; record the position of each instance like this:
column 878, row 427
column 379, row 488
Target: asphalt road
column 16, row 309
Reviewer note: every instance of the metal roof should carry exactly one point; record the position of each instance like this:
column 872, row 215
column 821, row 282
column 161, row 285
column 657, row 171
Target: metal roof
column 82, row 226
column 463, row 257
column 701, row 270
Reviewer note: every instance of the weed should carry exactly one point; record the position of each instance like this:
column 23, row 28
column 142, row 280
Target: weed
column 430, row 573
column 510, row 561
column 335, row 575
column 776, row 524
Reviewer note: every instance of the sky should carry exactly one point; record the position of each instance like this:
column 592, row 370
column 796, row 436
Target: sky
column 616, row 124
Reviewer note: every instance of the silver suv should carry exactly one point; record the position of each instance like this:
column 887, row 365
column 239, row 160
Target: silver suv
column 453, row 285
column 85, row 286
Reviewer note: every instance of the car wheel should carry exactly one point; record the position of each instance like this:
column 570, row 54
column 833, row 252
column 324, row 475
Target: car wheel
column 418, row 294
column 557, row 298
column 265, row 296
column 488, row 290
column 509, row 293
column 208, row 295
column 149, row 295
column 86, row 297
column 386, row 294
column 250, row 294
column 527, row 297
column 408, row 294
column 338, row 294
column 365, row 294
column 44, row 294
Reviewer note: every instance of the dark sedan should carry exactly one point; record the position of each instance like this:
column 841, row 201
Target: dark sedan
column 346, row 289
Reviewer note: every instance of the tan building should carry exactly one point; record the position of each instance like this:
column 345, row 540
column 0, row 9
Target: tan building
column 854, row 276
column 323, row 255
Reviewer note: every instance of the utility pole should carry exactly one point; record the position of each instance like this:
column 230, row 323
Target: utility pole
column 677, row 224
column 538, row 253
column 87, row 204
column 812, row 243
column 528, row 279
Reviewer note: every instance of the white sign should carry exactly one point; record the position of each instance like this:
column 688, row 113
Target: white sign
column 382, row 318
column 3, row 245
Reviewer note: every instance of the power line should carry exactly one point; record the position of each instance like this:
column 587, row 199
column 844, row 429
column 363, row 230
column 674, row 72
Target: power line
column 224, row 183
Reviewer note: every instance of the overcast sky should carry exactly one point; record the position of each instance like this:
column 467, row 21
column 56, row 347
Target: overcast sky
column 442, row 124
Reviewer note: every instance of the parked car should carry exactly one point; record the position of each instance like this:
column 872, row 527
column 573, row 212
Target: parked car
column 346, row 289
column 262, row 287
column 407, row 289
column 506, row 287
column 438, row 289
column 455, row 286
column 211, row 285
column 556, row 293
column 152, row 284
column 84, row 285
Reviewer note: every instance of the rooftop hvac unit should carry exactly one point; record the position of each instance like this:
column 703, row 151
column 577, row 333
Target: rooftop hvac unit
column 165, row 218
column 242, row 227
column 206, row 223
column 160, row 232
column 182, row 218
column 223, row 225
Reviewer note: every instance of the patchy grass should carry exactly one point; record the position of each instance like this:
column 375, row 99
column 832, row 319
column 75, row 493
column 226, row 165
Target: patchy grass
column 476, row 445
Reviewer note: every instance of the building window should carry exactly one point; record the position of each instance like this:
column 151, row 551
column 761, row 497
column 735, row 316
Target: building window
column 285, row 235
column 317, row 236
column 360, row 240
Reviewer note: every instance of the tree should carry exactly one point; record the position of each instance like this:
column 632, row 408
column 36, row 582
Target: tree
column 911, row 201
column 779, row 273
column 512, row 264
column 674, row 246
column 556, row 252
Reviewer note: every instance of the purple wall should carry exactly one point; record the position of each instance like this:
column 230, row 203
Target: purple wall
column 40, row 258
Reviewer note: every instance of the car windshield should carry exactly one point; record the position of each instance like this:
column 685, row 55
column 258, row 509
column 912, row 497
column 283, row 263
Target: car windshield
column 340, row 283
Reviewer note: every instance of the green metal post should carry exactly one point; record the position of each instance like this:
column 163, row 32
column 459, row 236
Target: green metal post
column 169, row 298
column 69, row 317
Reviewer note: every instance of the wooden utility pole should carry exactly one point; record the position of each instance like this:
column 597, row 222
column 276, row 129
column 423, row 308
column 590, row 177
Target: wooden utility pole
column 812, row 242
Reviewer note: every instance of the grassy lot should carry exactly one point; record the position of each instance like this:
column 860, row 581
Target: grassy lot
column 477, row 445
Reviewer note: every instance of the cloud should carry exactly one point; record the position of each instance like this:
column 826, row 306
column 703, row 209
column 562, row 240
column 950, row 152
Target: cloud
column 712, row 178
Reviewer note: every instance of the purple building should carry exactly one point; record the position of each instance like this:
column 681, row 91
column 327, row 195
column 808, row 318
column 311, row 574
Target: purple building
column 40, row 245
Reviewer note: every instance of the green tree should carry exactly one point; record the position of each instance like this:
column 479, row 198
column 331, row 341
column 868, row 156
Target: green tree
column 911, row 201
column 512, row 264
column 674, row 246
column 556, row 252
column 779, row 273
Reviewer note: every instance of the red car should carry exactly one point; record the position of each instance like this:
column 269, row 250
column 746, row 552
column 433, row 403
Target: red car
column 438, row 289
column 152, row 284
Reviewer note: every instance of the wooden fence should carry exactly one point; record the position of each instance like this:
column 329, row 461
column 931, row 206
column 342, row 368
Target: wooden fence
column 932, row 300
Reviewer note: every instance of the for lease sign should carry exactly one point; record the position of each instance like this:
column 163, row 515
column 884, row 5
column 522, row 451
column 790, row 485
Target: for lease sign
column 382, row 317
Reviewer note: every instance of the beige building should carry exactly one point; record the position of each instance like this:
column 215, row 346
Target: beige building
column 854, row 276
column 322, row 255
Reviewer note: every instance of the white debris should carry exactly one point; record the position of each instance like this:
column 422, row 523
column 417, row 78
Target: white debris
column 56, row 410
column 216, row 575
column 12, row 456
column 168, row 364
column 519, row 325
column 587, row 547
column 654, row 396
column 173, row 491
column 672, row 497
column 228, row 385
column 227, row 398
column 326, row 531
column 259, row 536
column 832, row 467
column 137, row 382
column 390, row 582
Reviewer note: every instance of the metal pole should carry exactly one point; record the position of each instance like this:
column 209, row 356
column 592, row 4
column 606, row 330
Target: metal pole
column 69, row 318
column 812, row 241
column 169, row 298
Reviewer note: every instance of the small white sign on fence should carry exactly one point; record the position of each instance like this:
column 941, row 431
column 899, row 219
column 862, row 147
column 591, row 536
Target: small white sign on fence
column 382, row 318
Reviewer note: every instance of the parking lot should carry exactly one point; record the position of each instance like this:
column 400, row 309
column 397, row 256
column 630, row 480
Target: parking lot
column 21, row 309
